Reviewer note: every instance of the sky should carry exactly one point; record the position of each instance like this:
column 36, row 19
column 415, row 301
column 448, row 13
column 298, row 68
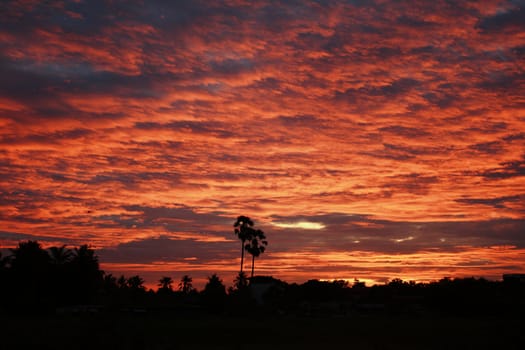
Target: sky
column 369, row 140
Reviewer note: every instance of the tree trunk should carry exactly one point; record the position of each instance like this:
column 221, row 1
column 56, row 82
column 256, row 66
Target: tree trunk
column 242, row 254
column 253, row 263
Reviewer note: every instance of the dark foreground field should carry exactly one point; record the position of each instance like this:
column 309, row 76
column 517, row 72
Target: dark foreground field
column 153, row 331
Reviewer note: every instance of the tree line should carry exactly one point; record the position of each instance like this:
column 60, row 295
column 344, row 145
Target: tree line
column 33, row 278
column 38, row 280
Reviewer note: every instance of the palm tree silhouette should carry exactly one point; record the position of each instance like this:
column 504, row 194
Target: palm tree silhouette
column 214, row 289
column 122, row 282
column 214, row 294
column 165, row 283
column 85, row 257
column 241, row 281
column 61, row 273
column 243, row 228
column 29, row 255
column 31, row 274
column 185, row 285
column 256, row 246
column 86, row 278
column 136, row 283
column 214, row 282
column 60, row 255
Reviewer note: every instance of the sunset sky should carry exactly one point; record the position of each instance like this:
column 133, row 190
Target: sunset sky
column 368, row 139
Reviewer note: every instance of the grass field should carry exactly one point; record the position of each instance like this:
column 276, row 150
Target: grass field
column 153, row 331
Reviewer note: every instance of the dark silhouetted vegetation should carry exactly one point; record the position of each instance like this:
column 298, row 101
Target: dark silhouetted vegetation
column 243, row 229
column 37, row 280
column 59, row 281
column 256, row 246
column 252, row 240
column 186, row 284
column 165, row 284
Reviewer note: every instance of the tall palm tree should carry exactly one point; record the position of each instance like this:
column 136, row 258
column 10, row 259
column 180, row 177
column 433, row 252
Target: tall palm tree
column 243, row 228
column 185, row 285
column 256, row 246
column 165, row 283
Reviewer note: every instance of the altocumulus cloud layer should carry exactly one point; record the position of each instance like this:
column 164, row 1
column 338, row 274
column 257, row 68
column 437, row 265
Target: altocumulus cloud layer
column 368, row 139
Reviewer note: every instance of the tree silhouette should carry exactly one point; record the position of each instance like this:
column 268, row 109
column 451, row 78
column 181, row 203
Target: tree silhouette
column 110, row 283
column 214, row 285
column 136, row 283
column 86, row 274
column 243, row 228
column 30, row 268
column 60, row 255
column 185, row 285
column 86, row 256
column 165, row 284
column 240, row 300
column 256, row 246
column 122, row 282
column 61, row 274
column 29, row 256
column 135, row 292
column 241, row 281
column 214, row 294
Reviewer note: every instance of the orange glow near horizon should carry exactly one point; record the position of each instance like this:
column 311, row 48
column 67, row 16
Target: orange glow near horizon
column 427, row 266
column 354, row 135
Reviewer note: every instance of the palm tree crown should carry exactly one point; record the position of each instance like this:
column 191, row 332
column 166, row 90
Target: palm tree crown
column 185, row 285
column 165, row 283
column 241, row 281
column 136, row 283
column 60, row 255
